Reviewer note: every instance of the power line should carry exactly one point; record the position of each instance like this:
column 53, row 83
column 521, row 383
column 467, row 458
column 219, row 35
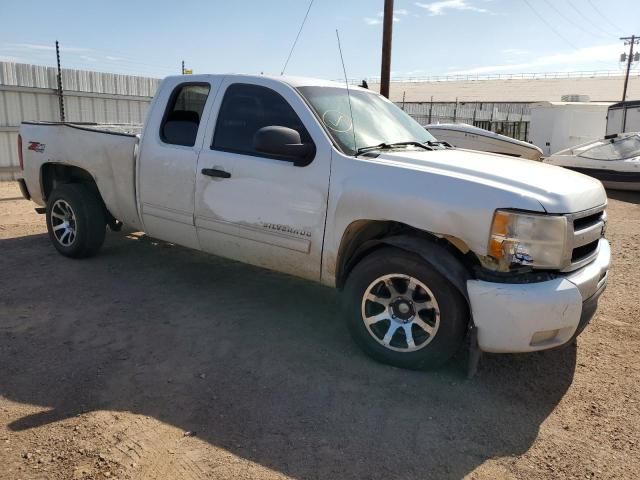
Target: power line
column 297, row 36
column 92, row 55
column 91, row 59
column 95, row 59
column 114, row 67
column 549, row 26
column 603, row 16
column 106, row 67
column 587, row 19
column 569, row 20
column 117, row 58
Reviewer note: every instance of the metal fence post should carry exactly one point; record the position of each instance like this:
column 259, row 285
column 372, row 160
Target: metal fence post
column 60, row 97
column 455, row 111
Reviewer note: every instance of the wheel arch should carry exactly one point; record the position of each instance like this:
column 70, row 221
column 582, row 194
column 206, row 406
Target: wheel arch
column 450, row 256
column 54, row 174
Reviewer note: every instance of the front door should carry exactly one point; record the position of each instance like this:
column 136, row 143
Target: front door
column 256, row 208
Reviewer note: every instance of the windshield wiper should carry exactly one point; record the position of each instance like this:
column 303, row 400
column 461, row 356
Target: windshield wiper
column 414, row 144
column 437, row 143
column 387, row 146
column 380, row 146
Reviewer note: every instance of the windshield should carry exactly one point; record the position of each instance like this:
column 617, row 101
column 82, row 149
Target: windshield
column 616, row 149
column 377, row 120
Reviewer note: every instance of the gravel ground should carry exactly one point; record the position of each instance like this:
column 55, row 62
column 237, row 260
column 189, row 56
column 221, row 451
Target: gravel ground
column 151, row 361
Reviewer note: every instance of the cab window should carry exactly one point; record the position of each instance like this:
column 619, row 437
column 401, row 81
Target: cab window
column 246, row 109
column 184, row 113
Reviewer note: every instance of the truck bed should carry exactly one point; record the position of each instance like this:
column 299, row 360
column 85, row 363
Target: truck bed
column 106, row 151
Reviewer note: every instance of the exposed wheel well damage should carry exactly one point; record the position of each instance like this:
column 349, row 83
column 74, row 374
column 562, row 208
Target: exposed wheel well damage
column 54, row 174
column 449, row 255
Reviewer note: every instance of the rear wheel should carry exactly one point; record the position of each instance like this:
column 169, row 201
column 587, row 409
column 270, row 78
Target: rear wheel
column 401, row 311
column 75, row 221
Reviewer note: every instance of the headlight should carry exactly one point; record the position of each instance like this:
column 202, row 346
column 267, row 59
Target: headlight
column 528, row 239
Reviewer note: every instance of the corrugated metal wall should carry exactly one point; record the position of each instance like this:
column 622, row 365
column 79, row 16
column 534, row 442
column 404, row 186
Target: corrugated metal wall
column 28, row 92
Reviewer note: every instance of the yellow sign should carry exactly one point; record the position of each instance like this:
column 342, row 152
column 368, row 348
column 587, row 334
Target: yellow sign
column 188, row 71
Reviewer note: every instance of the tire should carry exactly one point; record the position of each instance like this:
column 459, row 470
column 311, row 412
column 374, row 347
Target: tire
column 431, row 310
column 83, row 213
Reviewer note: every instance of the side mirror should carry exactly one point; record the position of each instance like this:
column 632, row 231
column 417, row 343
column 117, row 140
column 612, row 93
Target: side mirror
column 284, row 142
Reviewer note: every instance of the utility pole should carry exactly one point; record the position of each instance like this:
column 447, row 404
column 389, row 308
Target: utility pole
column 387, row 28
column 182, row 67
column 60, row 98
column 631, row 41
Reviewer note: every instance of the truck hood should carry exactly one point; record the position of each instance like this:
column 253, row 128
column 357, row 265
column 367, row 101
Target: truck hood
column 557, row 189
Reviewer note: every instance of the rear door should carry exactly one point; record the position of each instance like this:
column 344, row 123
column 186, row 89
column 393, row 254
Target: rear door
column 168, row 159
column 267, row 212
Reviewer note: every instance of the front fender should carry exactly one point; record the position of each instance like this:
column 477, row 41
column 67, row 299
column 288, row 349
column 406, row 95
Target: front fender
column 434, row 254
column 435, row 201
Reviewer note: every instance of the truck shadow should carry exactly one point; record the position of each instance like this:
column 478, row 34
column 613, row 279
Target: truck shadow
column 255, row 362
column 624, row 196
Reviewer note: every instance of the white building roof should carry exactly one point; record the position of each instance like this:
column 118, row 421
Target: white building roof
column 598, row 88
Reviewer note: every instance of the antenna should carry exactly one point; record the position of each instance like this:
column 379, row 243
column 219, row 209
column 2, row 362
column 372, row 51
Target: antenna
column 297, row 36
column 346, row 82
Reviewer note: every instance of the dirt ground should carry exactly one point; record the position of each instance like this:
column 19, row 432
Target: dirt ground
column 151, row 361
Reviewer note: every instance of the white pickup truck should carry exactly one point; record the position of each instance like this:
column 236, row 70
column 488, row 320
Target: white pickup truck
column 339, row 186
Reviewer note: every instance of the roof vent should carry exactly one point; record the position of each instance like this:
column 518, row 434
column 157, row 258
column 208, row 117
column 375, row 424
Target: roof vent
column 575, row 98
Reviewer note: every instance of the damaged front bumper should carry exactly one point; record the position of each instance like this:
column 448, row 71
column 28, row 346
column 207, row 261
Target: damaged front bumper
column 536, row 316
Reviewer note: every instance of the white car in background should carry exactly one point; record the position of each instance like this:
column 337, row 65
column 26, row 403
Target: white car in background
column 614, row 160
column 461, row 135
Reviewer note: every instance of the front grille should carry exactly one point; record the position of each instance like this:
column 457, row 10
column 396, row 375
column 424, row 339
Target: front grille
column 586, row 230
column 580, row 223
column 584, row 251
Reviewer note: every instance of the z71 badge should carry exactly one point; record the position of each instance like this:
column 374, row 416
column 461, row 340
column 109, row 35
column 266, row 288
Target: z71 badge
column 36, row 147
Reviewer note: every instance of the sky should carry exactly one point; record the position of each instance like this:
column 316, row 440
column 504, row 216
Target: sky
column 430, row 37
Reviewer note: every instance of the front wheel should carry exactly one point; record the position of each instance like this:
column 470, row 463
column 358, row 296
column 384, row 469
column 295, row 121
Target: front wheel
column 401, row 311
column 75, row 221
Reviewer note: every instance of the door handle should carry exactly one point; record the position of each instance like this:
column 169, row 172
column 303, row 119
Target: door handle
column 214, row 172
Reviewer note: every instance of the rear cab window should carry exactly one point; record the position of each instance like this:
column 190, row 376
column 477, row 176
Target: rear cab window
column 184, row 113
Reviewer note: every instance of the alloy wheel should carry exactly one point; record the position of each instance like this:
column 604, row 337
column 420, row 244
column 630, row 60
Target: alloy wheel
column 400, row 312
column 63, row 222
